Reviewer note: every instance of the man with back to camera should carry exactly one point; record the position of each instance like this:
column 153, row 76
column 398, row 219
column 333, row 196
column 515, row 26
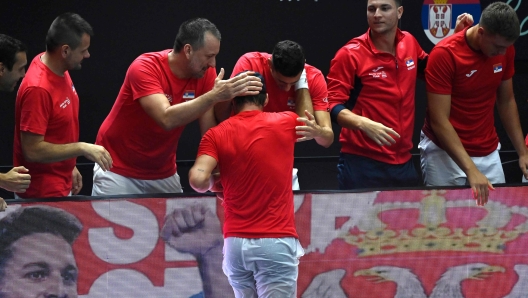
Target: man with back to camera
column 254, row 153
column 459, row 144
column 13, row 63
column 375, row 74
column 162, row 92
column 292, row 85
column 47, row 114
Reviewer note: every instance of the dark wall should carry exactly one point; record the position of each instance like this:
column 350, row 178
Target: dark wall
column 126, row 29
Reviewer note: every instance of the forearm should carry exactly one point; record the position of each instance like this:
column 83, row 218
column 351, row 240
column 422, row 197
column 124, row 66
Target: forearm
column 303, row 101
column 199, row 180
column 184, row 113
column 326, row 134
column 215, row 284
column 348, row 119
column 509, row 116
column 450, row 141
column 45, row 152
column 222, row 111
column 207, row 120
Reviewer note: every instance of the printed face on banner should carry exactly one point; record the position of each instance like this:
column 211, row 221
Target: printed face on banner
column 41, row 265
column 420, row 243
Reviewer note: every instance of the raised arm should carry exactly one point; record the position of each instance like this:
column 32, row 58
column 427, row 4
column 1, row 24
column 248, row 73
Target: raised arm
column 439, row 106
column 169, row 117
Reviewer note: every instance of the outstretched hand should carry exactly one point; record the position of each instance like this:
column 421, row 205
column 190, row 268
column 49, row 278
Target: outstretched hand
column 480, row 187
column 3, row 205
column 463, row 20
column 16, row 180
column 240, row 85
column 310, row 129
column 379, row 133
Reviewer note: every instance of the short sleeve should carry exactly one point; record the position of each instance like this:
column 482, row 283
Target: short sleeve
column 35, row 110
column 440, row 72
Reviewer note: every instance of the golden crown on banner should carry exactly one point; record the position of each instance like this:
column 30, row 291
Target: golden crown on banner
column 489, row 235
column 440, row 1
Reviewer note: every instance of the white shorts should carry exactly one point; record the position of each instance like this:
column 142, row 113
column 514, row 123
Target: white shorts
column 109, row 183
column 439, row 169
column 262, row 267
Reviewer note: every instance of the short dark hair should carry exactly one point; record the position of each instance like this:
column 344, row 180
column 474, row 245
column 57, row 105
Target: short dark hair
column 9, row 47
column 193, row 32
column 68, row 28
column 501, row 19
column 258, row 99
column 397, row 2
column 31, row 220
column 288, row 58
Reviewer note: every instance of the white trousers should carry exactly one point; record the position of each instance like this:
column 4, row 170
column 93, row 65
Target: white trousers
column 262, row 267
column 109, row 183
column 439, row 169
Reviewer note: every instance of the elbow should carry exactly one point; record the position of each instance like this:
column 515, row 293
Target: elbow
column 30, row 155
column 198, row 182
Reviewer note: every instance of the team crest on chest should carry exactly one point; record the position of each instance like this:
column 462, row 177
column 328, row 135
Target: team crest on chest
column 409, row 62
column 497, row 68
column 188, row 94
column 291, row 103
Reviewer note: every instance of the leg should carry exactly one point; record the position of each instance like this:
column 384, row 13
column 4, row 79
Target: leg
column 234, row 266
column 438, row 168
column 277, row 261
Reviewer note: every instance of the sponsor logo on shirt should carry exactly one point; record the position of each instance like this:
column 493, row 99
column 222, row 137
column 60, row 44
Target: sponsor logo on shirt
column 497, row 68
column 65, row 103
column 471, row 73
column 169, row 97
column 377, row 69
column 409, row 62
column 291, row 103
column 188, row 94
column 380, row 74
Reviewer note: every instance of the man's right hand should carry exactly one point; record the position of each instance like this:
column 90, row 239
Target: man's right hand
column 480, row 186
column 3, row 205
column 379, row 133
column 99, row 155
column 16, row 180
column 242, row 84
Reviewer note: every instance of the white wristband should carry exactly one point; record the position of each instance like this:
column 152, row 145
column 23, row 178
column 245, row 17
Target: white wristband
column 302, row 83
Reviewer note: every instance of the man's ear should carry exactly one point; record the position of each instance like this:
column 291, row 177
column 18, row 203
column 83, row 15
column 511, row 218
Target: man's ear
column 65, row 49
column 266, row 101
column 187, row 50
column 270, row 64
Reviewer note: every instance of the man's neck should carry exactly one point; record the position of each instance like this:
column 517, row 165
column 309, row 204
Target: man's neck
column 384, row 42
column 247, row 107
column 54, row 63
column 472, row 38
column 178, row 64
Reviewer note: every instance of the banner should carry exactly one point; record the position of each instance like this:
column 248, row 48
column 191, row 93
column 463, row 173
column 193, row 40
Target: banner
column 408, row 243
